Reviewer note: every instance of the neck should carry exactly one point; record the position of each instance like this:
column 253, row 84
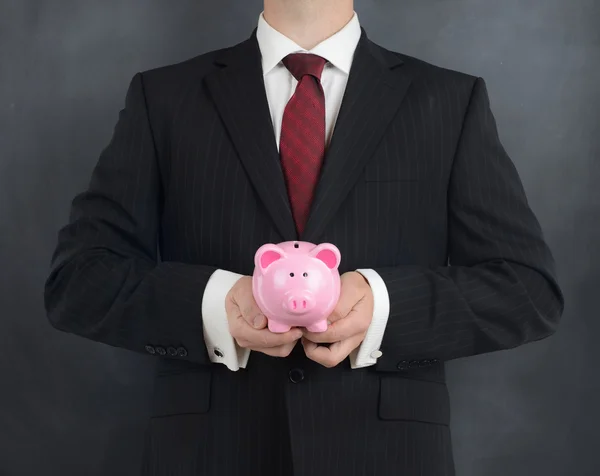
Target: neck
column 308, row 22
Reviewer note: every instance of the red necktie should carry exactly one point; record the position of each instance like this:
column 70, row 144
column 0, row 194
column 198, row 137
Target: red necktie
column 302, row 141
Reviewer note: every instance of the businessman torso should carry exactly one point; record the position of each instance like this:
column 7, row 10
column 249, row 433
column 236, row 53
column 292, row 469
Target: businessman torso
column 415, row 184
column 381, row 199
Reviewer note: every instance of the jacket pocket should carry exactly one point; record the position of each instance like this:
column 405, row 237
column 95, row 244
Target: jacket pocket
column 181, row 393
column 413, row 400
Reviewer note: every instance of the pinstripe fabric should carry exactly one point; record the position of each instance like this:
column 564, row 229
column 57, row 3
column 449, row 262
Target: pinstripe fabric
column 415, row 177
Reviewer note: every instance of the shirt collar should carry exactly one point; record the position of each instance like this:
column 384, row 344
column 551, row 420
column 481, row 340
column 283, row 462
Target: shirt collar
column 337, row 49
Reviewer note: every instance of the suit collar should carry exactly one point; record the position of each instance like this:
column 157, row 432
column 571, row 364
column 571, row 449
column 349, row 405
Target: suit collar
column 248, row 51
column 375, row 89
column 338, row 49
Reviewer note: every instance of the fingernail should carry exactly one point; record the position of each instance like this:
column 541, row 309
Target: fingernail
column 328, row 322
column 258, row 322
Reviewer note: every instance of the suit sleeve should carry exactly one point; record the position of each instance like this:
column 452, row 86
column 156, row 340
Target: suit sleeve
column 499, row 289
column 106, row 282
column 222, row 347
column 367, row 353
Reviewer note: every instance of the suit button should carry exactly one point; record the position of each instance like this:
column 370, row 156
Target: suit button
column 151, row 350
column 182, row 352
column 413, row 363
column 402, row 365
column 296, row 375
column 435, row 361
column 161, row 351
column 172, row 351
column 424, row 363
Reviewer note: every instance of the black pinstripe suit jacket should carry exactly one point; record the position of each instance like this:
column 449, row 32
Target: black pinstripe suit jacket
column 415, row 184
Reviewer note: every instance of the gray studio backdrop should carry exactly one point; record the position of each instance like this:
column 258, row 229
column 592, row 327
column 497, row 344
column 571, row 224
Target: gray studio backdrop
column 72, row 407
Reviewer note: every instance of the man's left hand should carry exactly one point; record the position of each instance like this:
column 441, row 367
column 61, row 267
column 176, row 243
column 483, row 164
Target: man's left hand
column 349, row 323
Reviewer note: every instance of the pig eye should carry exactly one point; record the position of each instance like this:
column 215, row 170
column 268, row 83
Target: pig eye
column 291, row 275
column 296, row 245
column 305, row 275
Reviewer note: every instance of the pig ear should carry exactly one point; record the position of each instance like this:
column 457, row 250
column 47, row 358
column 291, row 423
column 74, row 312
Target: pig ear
column 327, row 253
column 266, row 255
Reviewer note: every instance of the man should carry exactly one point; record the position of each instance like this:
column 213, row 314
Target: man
column 442, row 257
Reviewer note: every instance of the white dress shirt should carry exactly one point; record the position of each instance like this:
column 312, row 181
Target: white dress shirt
column 280, row 85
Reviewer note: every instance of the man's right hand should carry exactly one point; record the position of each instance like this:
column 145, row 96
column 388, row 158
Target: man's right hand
column 248, row 325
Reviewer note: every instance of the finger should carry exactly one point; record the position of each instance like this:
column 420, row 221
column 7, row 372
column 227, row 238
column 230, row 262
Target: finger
column 330, row 356
column 352, row 325
column 264, row 338
column 281, row 351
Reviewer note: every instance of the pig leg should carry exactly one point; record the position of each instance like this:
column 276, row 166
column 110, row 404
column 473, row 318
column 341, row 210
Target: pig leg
column 320, row 326
column 278, row 327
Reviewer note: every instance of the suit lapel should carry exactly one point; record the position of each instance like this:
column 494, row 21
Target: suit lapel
column 238, row 91
column 373, row 95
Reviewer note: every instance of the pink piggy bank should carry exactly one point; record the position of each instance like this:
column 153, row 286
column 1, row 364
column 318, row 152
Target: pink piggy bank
column 296, row 284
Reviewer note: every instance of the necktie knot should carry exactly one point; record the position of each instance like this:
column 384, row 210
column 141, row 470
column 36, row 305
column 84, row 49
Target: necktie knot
column 301, row 64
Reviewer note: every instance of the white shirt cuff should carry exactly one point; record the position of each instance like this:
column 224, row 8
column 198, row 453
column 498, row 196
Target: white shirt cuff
column 222, row 347
column 368, row 352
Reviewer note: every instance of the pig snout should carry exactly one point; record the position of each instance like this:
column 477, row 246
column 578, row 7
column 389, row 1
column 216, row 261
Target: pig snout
column 299, row 303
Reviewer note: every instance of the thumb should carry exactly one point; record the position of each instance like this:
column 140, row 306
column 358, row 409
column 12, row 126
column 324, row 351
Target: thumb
column 343, row 308
column 349, row 296
column 248, row 309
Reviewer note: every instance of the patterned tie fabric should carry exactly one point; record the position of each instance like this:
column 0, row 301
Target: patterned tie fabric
column 302, row 141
